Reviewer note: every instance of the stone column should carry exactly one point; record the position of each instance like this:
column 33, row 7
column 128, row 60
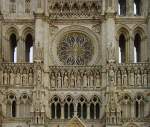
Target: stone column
column 130, row 7
column 130, row 49
column 17, row 109
column 88, row 111
column 132, row 110
column 0, row 34
column 75, row 109
column 110, row 35
column 62, row 111
column 20, row 50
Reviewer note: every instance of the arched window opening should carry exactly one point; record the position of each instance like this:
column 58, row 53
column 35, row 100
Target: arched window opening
column 53, row 111
column 68, row 108
column 122, row 7
column 13, row 48
column 122, row 49
column 95, row 108
column 55, row 108
column 97, row 111
column 14, row 109
column 29, row 48
column 58, row 111
column 84, row 111
column 71, row 110
column 92, row 111
column 24, row 106
column 137, row 48
column 27, row 6
column 126, row 107
column 82, row 108
column 139, row 107
column 79, row 110
column 137, row 7
column 12, row 6
column 66, row 111
column 136, row 109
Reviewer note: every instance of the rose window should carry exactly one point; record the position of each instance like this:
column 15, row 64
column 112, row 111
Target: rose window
column 75, row 49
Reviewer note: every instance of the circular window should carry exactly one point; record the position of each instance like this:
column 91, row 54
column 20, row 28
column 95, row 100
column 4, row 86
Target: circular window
column 75, row 49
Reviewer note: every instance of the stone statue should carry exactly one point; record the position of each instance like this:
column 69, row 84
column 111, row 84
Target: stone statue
column 85, row 80
column 97, row 80
column 52, row 80
column 119, row 78
column 24, row 78
column 66, row 83
column 110, row 52
column 39, row 52
column 125, row 78
column 39, row 76
column 12, row 77
column 30, row 78
column 91, row 80
column 5, row 77
column 18, row 78
column 59, row 80
column 144, row 78
column 72, row 80
column 78, row 80
column 132, row 78
column 138, row 78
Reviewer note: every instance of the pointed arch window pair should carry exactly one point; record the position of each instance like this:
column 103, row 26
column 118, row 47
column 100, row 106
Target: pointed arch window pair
column 13, row 42
column 122, row 7
column 123, row 49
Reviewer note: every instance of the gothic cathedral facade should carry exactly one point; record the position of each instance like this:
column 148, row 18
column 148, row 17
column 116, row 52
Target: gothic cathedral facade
column 74, row 63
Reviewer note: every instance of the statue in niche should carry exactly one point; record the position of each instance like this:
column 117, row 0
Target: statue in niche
column 125, row 78
column 119, row 78
column 138, row 78
column 132, row 78
column 52, row 80
column 72, row 80
column 18, row 77
column 97, row 80
column 65, row 83
column 144, row 78
column 39, row 76
column 85, row 79
column 78, row 80
column 12, row 77
column 39, row 52
column 59, row 80
column 91, row 80
column 24, row 78
column 5, row 77
column 110, row 52
column 30, row 77
column 111, row 76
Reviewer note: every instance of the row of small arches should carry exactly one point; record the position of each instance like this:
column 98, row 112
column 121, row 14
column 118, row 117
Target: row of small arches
column 70, row 108
column 75, row 6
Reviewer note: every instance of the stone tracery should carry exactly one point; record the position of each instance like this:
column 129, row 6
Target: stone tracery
column 75, row 49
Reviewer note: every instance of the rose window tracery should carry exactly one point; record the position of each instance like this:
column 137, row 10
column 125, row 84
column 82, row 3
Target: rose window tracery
column 75, row 49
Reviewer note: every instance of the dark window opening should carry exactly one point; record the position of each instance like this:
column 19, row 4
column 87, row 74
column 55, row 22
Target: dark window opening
column 137, row 48
column 122, row 7
column 122, row 49
column 13, row 48
column 14, row 109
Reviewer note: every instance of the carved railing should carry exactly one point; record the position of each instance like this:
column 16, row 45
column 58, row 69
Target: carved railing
column 82, row 77
column 18, row 74
column 75, row 8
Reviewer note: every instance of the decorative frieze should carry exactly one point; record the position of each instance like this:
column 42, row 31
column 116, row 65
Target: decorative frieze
column 16, row 74
column 72, row 8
